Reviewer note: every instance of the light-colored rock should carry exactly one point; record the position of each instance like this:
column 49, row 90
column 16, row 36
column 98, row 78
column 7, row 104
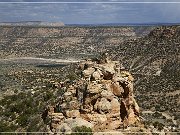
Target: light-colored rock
column 136, row 106
column 101, row 99
column 94, row 88
column 68, row 96
column 97, row 118
column 118, row 78
column 74, row 104
column 107, row 94
column 115, row 106
column 130, row 87
column 63, row 128
column 73, row 114
column 88, row 72
column 72, row 123
column 127, row 74
column 131, row 116
column 103, row 106
column 117, row 89
column 107, row 70
column 114, row 124
column 97, row 75
column 57, row 115
column 72, row 89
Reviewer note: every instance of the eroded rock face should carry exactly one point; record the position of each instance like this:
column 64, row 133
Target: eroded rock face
column 104, row 94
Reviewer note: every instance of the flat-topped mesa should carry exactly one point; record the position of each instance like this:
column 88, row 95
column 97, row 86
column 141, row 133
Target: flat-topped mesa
column 102, row 98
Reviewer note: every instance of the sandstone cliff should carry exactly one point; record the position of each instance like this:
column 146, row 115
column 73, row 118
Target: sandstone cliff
column 101, row 99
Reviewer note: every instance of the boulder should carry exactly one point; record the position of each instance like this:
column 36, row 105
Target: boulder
column 94, row 88
column 88, row 72
column 118, row 78
column 117, row 89
column 130, row 87
column 115, row 106
column 97, row 75
column 74, row 104
column 107, row 94
column 97, row 118
column 107, row 70
column 63, row 128
column 68, row 96
column 127, row 74
column 114, row 124
column 131, row 116
column 103, row 106
column 72, row 123
column 72, row 89
column 73, row 113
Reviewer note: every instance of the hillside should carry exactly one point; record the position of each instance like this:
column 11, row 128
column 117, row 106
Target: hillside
column 63, row 42
column 154, row 61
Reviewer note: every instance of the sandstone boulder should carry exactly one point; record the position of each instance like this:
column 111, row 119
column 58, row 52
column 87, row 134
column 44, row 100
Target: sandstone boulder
column 103, row 106
column 117, row 89
column 94, row 88
column 97, row 75
column 97, row 118
column 73, row 113
column 131, row 117
column 63, row 128
column 107, row 94
column 107, row 70
column 88, row 72
column 115, row 106
column 74, row 104
column 72, row 89
column 68, row 96
column 114, row 124
column 72, row 123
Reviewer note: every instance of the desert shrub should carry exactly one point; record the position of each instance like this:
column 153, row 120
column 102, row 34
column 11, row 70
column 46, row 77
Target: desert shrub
column 146, row 123
column 48, row 96
column 83, row 130
column 158, row 125
column 60, row 92
column 23, row 120
column 4, row 127
column 72, row 76
column 157, row 115
column 34, row 124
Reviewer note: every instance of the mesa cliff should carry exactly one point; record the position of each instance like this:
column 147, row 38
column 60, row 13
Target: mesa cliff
column 101, row 99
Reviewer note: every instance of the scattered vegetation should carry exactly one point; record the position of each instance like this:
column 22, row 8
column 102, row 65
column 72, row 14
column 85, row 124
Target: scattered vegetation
column 83, row 130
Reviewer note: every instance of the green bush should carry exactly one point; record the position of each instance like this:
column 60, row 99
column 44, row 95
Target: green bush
column 23, row 120
column 4, row 127
column 158, row 125
column 83, row 130
column 48, row 96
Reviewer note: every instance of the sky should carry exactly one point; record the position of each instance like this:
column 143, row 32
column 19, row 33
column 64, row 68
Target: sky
column 105, row 11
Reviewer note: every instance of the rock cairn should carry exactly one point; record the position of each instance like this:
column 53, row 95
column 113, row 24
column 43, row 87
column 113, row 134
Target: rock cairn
column 102, row 99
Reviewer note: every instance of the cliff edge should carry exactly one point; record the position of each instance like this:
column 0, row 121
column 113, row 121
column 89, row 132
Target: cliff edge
column 101, row 99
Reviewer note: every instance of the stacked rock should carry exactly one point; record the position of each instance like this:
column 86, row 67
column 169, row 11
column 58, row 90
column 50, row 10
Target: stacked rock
column 102, row 99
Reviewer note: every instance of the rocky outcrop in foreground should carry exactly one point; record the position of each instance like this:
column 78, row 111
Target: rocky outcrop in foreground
column 101, row 99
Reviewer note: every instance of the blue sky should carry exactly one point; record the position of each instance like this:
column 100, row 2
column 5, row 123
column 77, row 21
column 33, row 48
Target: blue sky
column 90, row 13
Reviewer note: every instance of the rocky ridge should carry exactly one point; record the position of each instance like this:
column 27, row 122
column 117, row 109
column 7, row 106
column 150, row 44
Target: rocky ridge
column 101, row 99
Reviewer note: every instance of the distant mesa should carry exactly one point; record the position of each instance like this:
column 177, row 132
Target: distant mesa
column 32, row 23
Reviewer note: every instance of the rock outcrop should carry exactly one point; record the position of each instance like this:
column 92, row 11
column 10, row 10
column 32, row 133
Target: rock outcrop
column 102, row 99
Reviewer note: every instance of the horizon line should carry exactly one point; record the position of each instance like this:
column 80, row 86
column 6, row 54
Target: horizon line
column 98, row 2
column 26, row 21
